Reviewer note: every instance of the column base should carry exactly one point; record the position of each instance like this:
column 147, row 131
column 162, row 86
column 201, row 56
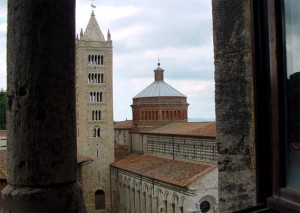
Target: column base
column 63, row 198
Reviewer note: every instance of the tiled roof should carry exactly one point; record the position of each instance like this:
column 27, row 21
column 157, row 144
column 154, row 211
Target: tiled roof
column 200, row 129
column 159, row 89
column 2, row 133
column 139, row 163
column 127, row 124
column 121, row 151
column 176, row 172
column 3, row 164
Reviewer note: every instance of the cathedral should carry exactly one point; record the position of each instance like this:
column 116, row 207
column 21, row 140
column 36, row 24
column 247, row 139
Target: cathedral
column 156, row 162
column 163, row 162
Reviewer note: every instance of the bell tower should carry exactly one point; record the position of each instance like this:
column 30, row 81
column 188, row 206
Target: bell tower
column 94, row 114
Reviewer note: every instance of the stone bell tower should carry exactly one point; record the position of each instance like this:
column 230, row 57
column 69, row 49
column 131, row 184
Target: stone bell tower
column 94, row 113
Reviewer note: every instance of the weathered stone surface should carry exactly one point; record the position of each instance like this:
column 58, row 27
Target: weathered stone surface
column 234, row 104
column 41, row 106
column 66, row 198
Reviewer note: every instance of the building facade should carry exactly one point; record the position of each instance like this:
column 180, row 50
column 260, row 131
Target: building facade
column 94, row 110
column 170, row 165
column 158, row 103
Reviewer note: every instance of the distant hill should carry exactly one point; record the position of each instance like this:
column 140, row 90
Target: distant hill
column 201, row 119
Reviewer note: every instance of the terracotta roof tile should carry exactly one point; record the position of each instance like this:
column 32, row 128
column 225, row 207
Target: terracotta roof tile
column 127, row 124
column 139, row 163
column 2, row 133
column 121, row 151
column 200, row 129
column 176, row 172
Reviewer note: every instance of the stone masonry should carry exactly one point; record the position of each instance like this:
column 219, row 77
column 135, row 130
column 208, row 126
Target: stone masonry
column 234, row 104
column 95, row 112
column 41, row 128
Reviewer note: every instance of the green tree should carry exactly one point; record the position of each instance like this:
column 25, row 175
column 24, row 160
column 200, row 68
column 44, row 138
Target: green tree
column 3, row 99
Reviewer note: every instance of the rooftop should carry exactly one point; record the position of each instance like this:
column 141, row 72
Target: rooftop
column 159, row 88
column 176, row 172
column 2, row 133
column 127, row 124
column 199, row 129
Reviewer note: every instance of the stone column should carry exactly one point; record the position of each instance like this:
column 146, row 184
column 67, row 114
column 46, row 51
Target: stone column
column 41, row 129
column 143, row 202
column 154, row 204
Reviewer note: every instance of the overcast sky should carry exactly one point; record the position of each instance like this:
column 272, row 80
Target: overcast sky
column 178, row 32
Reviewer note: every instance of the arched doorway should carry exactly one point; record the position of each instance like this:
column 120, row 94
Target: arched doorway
column 100, row 201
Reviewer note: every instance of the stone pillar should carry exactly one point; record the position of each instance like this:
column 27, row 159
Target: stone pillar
column 132, row 200
column 165, row 202
column 41, row 129
column 143, row 202
column 138, row 200
column 154, row 204
column 128, row 204
column 234, row 98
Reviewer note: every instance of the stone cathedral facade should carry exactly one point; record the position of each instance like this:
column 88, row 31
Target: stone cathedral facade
column 94, row 114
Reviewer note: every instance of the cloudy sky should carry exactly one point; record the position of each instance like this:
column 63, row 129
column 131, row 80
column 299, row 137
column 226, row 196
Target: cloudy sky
column 178, row 32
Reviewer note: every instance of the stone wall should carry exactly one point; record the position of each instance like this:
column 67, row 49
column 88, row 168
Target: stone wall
column 134, row 194
column 234, row 103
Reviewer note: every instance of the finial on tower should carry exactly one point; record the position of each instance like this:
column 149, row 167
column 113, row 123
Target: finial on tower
column 108, row 35
column 92, row 6
column 81, row 33
column 158, row 63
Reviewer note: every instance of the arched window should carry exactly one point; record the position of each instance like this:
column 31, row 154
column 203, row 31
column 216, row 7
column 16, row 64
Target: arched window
column 99, row 115
column 99, row 200
column 102, row 78
column 98, row 80
column 142, row 115
column 94, row 99
column 92, row 59
column 92, row 80
column 96, row 115
column 91, row 97
column 89, row 78
column 89, row 59
column 102, row 59
column 100, row 96
column 171, row 115
column 163, row 115
column 93, row 117
column 99, row 59
column 96, row 132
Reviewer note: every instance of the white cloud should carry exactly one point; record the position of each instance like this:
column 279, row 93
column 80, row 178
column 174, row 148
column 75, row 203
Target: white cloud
column 3, row 27
column 180, row 33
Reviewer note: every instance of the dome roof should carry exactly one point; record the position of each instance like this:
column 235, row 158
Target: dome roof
column 159, row 89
